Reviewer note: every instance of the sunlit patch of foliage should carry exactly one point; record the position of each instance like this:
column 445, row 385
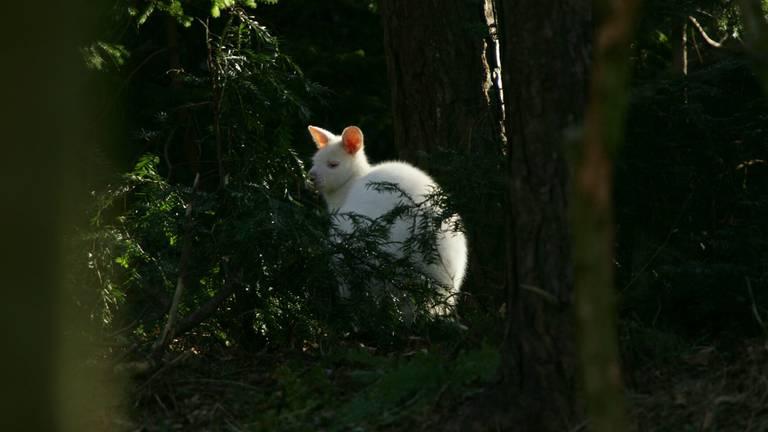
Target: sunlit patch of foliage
column 253, row 229
column 100, row 55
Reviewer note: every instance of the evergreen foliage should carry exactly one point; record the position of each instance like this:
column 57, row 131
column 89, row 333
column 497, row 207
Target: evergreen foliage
column 211, row 172
column 252, row 229
column 246, row 230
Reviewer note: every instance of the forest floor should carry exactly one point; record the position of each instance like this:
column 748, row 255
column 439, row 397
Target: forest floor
column 425, row 387
column 706, row 389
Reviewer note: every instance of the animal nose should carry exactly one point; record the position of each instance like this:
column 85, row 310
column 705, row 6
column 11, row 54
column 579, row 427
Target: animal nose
column 313, row 176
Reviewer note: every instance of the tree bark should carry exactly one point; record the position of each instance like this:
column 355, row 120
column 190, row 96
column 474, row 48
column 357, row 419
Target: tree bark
column 545, row 58
column 438, row 75
column 443, row 99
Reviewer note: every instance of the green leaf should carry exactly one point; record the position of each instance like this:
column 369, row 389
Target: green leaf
column 145, row 14
column 661, row 37
column 218, row 5
column 99, row 54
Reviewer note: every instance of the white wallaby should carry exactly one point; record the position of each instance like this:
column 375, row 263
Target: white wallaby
column 341, row 172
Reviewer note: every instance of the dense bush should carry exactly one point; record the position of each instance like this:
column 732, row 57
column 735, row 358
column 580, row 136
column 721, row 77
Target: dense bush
column 232, row 217
column 218, row 205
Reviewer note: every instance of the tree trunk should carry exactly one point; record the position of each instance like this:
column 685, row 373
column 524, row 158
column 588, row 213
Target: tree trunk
column 545, row 48
column 443, row 100
column 592, row 218
column 438, row 75
column 50, row 373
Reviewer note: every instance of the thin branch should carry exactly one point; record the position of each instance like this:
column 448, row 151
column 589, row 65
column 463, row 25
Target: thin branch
column 713, row 43
column 685, row 53
column 206, row 310
column 696, row 47
column 672, row 230
column 755, row 311
column 159, row 370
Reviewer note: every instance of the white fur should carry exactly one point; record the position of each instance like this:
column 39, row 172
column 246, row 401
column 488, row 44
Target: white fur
column 346, row 189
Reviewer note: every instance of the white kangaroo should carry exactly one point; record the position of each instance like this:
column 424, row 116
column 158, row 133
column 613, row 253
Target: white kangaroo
column 341, row 172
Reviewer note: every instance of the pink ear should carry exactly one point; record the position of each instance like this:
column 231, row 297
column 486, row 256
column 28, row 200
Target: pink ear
column 352, row 139
column 320, row 136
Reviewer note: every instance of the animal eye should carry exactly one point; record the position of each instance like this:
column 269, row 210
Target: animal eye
column 332, row 164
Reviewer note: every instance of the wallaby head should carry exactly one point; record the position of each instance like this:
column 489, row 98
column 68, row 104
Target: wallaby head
column 338, row 160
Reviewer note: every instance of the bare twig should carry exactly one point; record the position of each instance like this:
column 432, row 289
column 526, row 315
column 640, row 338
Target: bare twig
column 163, row 368
column 713, row 43
column 696, row 47
column 672, row 230
column 122, row 330
column 755, row 312
column 684, row 43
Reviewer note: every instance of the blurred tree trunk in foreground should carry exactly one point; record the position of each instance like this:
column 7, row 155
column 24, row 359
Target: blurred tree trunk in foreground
column 545, row 51
column 592, row 217
column 443, row 100
column 44, row 386
column 439, row 78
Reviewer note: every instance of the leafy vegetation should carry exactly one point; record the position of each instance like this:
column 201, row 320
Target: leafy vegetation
column 211, row 195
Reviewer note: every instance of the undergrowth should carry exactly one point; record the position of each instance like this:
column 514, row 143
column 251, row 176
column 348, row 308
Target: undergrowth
column 347, row 388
